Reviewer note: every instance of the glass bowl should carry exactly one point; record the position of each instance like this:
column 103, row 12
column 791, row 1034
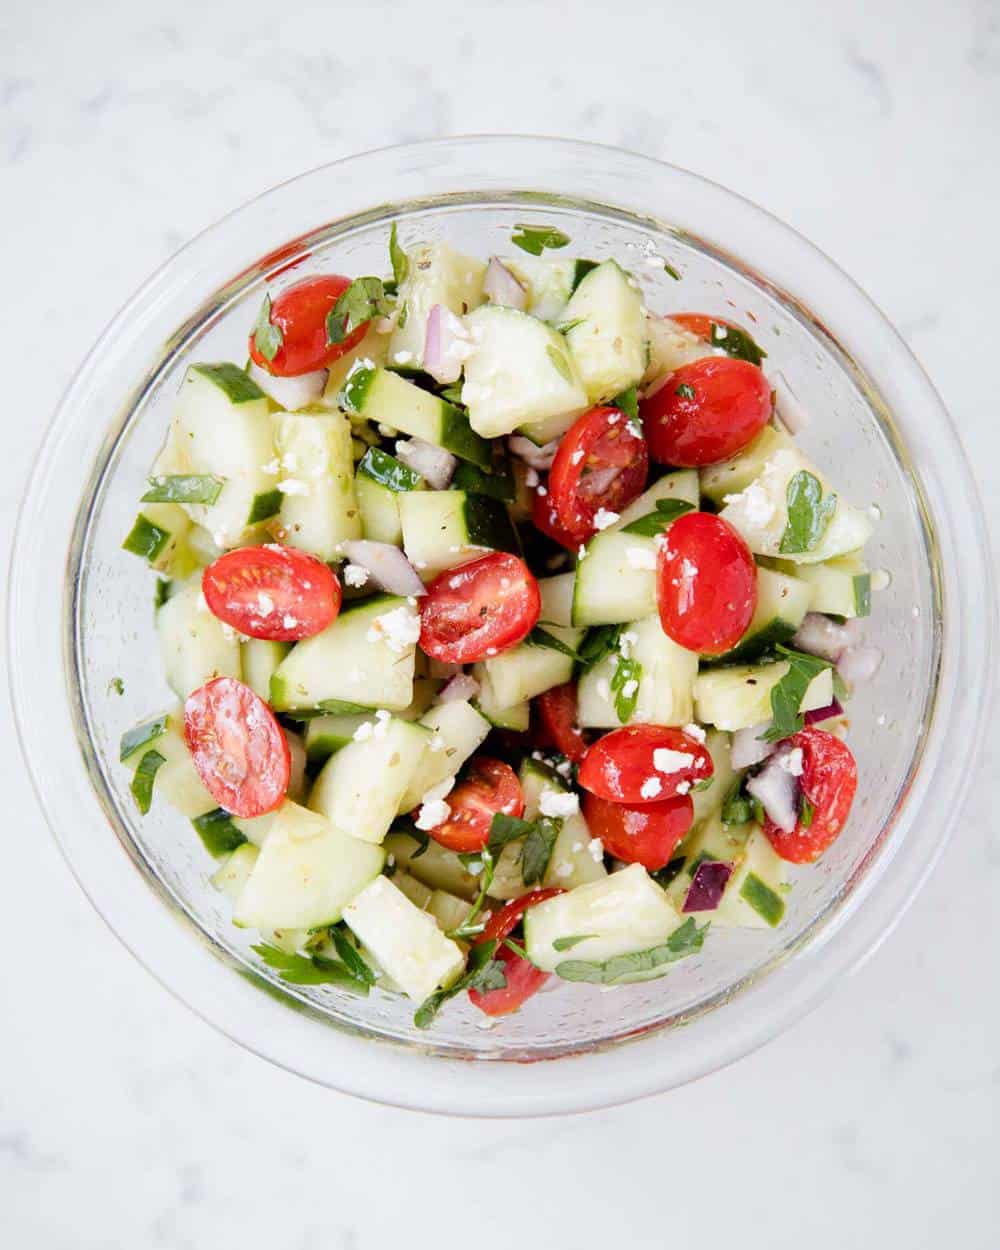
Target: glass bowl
column 81, row 615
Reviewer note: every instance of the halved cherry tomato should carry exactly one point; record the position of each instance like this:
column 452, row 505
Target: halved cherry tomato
column 543, row 517
column 299, row 313
column 644, row 764
column 523, row 978
column 706, row 411
column 640, row 835
column 829, row 781
column 239, row 750
column 700, row 323
column 557, row 716
column 479, row 609
column 273, row 592
column 706, row 584
column 490, row 787
column 601, row 463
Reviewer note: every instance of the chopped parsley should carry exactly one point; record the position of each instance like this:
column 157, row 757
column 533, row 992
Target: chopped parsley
column 535, row 239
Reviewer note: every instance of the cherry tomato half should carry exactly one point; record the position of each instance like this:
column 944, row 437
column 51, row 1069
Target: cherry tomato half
column 273, row 592
column 601, row 463
column 644, row 764
column 491, row 786
column 557, row 717
column 479, row 609
column 523, row 978
column 544, row 518
column 640, row 835
column 706, row 584
column 299, row 314
column 700, row 323
column 706, row 411
column 829, row 781
column 239, row 750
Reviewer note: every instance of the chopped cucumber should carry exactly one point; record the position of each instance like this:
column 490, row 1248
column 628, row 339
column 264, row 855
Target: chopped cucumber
column 176, row 781
column 573, row 862
column 608, row 340
column 710, row 840
column 194, row 645
column 682, row 485
column 455, row 731
column 364, row 659
column 380, row 480
column 839, row 587
column 327, row 734
column 436, row 274
column 557, row 600
column 260, row 659
column 669, row 346
column 709, row 798
column 406, row 941
column 160, row 536
column 739, row 695
column 321, row 512
column 615, row 579
column 373, row 350
column 431, row 863
column 306, row 873
column 442, row 528
column 518, row 716
column 418, row 893
column 666, row 681
column 232, row 877
column 782, row 603
column 755, row 893
column 520, row 375
column 549, row 283
column 526, row 670
column 729, row 477
column 447, row 909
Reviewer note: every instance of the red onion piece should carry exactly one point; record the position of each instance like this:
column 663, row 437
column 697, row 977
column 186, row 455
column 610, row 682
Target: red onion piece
column 462, row 686
column 778, row 791
column 501, row 287
column 388, row 567
column 790, row 412
column 290, row 394
column 818, row 635
column 823, row 713
column 434, row 464
column 708, row 885
column 859, row 664
column 747, row 748
column 535, row 457
column 447, row 345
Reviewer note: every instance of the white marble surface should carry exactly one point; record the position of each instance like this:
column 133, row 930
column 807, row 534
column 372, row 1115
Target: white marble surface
column 124, row 128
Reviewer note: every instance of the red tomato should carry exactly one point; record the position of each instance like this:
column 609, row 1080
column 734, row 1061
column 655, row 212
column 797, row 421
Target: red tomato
column 238, row 748
column 829, row 781
column 601, row 463
column 557, row 714
column 523, row 978
column 626, row 766
column 299, row 313
column 706, row 584
column 706, row 411
column 490, row 787
column 273, row 592
column 479, row 609
column 639, row 835
column 543, row 517
column 699, row 323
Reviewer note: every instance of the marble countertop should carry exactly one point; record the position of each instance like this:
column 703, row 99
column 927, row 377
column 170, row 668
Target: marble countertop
column 124, row 128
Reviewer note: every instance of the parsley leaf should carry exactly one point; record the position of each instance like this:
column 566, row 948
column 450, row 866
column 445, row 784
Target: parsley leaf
column 504, row 829
column 739, row 807
column 598, row 644
column 654, row 523
column 564, row 327
column 671, row 270
column 560, row 362
column 809, row 513
column 567, row 943
column 628, row 403
column 267, row 338
column 162, row 592
column 364, row 298
column 535, row 239
column 685, row 390
column 310, row 969
column 398, row 258
column 468, row 927
column 626, row 672
column 685, row 940
column 348, row 955
column 787, row 695
column 735, row 341
column 453, row 395
column 542, row 638
column 116, row 685
column 184, row 488
column 537, row 849
column 483, row 973
column 145, row 775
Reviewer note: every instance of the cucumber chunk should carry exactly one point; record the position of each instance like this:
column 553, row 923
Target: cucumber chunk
column 520, row 375
column 306, row 873
column 436, row 274
column 615, row 579
column 260, row 659
column 322, row 512
column 364, row 659
column 518, row 716
column 738, row 696
column 669, row 346
column 373, row 349
column 755, row 894
column 418, row 893
column 682, row 485
column 549, row 283
column 160, row 537
column 456, row 730
column 176, row 781
column 782, row 603
column 405, row 941
column 711, row 840
column 232, row 877
column 729, row 477
column 327, row 734
column 838, row 587
column 609, row 341
column 666, row 681
column 442, row 528
column 432, row 863
column 526, row 670
column 448, row 910
column 708, row 799
column 379, row 481
column 194, row 645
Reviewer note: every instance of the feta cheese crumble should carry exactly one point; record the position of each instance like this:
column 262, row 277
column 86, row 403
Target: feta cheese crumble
column 667, row 761
column 398, row 629
column 651, row 787
column 604, row 517
column 596, row 848
column 355, row 574
column 293, row 486
column 792, row 762
column 558, row 803
column 694, row 731
column 433, row 808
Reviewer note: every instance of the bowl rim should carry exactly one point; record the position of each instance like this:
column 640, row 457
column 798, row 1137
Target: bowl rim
column 601, row 1077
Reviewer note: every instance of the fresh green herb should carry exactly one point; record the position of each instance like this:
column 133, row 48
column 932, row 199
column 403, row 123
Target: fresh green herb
column 517, row 948
column 560, row 362
column 737, row 808
column 404, row 312
column 567, row 943
column 654, row 523
column 399, row 260
column 564, row 327
column 482, row 973
column 542, row 638
column 184, row 488
column 146, row 539
column 685, row 390
column 598, row 645
column 145, row 775
column 625, row 687
column 809, row 513
column 736, row 342
column 628, row 403
column 348, row 955
column 664, row 876
column 452, row 393
column 364, row 299
column 116, row 686
column 537, row 850
column 310, row 969
column 264, row 506
column 140, row 736
column 236, row 385
column 535, row 239
column 806, row 813
column 705, row 784
column 267, row 337
column 762, row 899
column 218, row 834
column 161, row 592
column 468, row 927
column 787, row 695
column 504, row 829
column 671, row 270
column 685, row 940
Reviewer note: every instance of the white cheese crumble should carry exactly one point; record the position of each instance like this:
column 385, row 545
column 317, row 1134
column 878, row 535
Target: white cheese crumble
column 640, row 557
column 355, row 574
column 531, row 478
column 667, row 761
column 558, row 803
column 758, row 505
column 398, row 629
column 694, row 731
column 433, row 808
column 596, row 848
column 651, row 787
column 581, row 552
column 626, row 641
column 630, row 687
column 604, row 517
column 403, row 358
column 290, row 461
column 577, row 456
column 683, row 787
column 792, row 762
column 293, row 486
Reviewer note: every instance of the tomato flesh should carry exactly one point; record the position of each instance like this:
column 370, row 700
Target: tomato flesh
column 479, row 609
column 523, row 978
column 706, row 411
column 544, row 518
column 273, row 592
column 300, row 313
column 557, row 717
column 706, row 584
column 490, row 787
column 238, row 748
column 643, row 764
column 646, row 835
column 601, row 463
column 829, row 781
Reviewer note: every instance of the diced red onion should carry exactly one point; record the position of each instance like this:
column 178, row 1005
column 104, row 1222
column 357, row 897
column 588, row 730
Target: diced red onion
column 434, row 464
column 447, row 345
column 818, row 635
column 790, row 412
column 501, row 287
column 746, row 748
column 708, row 885
column 290, row 394
column 388, row 567
column 778, row 792
column 535, row 457
column 462, row 686
column 859, row 664
column 823, row 713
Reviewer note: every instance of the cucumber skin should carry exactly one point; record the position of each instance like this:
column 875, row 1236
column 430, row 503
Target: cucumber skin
column 389, row 472
column 488, row 525
column 145, row 539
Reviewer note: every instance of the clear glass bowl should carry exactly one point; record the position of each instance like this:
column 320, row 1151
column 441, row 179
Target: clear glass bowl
column 81, row 615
